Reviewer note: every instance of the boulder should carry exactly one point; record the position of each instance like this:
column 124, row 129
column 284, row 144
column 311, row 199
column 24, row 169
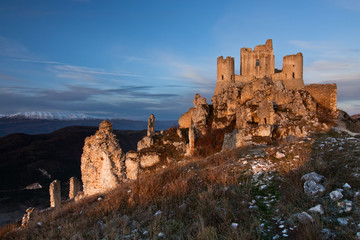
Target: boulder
column 313, row 188
column 149, row 159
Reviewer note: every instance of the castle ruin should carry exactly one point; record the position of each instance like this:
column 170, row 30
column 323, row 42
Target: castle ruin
column 260, row 63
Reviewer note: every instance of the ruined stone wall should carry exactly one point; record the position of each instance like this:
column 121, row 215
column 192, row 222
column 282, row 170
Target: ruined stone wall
column 225, row 72
column 102, row 161
column 324, row 94
column 292, row 72
column 258, row 63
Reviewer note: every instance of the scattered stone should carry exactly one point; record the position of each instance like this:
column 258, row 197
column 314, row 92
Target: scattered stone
column 312, row 188
column 345, row 206
column 149, row 159
column 159, row 212
column 336, row 195
column 343, row 221
column 347, row 186
column 317, row 209
column 33, row 186
column 234, row 225
column 312, row 176
column 304, row 217
column 161, row 235
column 357, row 236
column 279, row 155
column 327, row 233
column 146, row 142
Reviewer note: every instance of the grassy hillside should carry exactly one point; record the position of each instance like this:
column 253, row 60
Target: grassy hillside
column 27, row 159
column 245, row 193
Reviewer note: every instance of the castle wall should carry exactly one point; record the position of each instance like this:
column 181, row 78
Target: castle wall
column 260, row 62
column 324, row 94
column 225, row 72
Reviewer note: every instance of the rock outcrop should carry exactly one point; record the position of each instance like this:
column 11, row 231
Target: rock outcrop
column 197, row 115
column 102, row 161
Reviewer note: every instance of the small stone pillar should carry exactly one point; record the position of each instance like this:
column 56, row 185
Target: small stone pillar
column 191, row 140
column 55, row 194
column 151, row 126
column 74, row 187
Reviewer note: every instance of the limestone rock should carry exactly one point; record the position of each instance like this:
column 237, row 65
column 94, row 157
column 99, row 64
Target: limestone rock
column 74, row 187
column 132, row 165
column 317, row 209
column 151, row 126
column 279, row 155
column 149, row 159
column 29, row 216
column 102, row 161
column 55, row 194
column 185, row 119
column 313, row 188
column 312, row 176
column 304, row 217
column 235, row 139
column 146, row 142
column 336, row 195
column 191, row 147
column 200, row 113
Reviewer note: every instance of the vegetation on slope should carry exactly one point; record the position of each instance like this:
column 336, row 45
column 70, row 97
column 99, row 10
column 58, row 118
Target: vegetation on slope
column 246, row 193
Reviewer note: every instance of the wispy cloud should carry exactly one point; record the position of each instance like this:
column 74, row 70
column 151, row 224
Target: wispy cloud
column 12, row 48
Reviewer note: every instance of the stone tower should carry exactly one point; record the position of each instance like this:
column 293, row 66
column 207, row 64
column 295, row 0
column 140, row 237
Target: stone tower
column 225, row 72
column 259, row 62
column 293, row 71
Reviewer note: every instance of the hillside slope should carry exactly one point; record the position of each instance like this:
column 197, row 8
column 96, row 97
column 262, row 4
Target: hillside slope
column 254, row 192
column 27, row 159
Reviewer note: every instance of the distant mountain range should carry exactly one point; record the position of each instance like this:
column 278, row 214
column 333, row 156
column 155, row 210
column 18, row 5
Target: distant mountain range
column 49, row 116
column 47, row 122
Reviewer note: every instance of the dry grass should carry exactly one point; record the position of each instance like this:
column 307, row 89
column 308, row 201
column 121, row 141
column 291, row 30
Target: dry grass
column 202, row 197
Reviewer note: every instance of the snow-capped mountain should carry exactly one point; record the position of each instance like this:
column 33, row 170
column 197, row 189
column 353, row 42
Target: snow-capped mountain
column 50, row 116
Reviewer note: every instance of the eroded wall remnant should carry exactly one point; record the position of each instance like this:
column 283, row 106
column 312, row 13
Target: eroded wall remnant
column 102, row 161
column 55, row 194
column 74, row 187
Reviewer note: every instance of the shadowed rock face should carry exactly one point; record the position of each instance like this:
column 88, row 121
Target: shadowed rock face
column 102, row 161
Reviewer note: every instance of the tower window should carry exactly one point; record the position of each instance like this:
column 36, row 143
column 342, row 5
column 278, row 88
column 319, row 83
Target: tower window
column 222, row 77
column 257, row 62
column 293, row 75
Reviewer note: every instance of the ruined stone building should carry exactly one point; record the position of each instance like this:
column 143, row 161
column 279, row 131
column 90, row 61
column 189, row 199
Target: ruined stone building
column 260, row 63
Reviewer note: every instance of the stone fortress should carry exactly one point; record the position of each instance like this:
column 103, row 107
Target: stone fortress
column 260, row 105
column 260, row 63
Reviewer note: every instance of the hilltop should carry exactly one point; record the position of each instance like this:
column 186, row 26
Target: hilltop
column 268, row 158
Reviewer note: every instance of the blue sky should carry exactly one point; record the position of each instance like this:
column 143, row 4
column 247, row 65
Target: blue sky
column 128, row 59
